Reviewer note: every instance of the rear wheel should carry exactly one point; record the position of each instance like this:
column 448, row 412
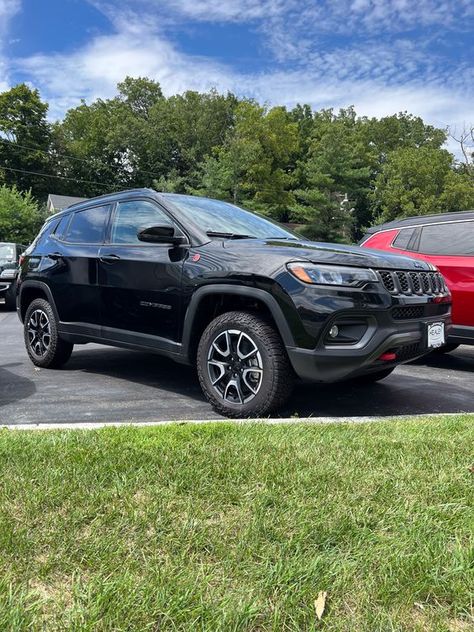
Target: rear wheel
column 243, row 367
column 445, row 349
column 43, row 344
column 370, row 378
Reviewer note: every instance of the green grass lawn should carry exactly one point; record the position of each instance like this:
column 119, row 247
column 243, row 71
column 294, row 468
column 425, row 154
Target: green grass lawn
column 238, row 527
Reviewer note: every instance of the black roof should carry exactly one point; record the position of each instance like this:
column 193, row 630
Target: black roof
column 421, row 220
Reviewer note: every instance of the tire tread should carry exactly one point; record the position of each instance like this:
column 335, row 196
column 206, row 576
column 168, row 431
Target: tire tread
column 59, row 350
column 282, row 374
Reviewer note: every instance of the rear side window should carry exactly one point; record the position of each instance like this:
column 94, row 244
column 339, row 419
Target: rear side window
column 88, row 226
column 404, row 239
column 448, row 239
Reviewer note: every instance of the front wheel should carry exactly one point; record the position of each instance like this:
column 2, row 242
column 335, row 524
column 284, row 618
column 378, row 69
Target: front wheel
column 43, row 344
column 243, row 367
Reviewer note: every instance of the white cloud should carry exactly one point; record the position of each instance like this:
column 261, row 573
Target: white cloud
column 379, row 81
column 8, row 8
column 379, row 76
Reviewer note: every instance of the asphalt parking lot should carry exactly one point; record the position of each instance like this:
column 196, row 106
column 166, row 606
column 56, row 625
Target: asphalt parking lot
column 102, row 384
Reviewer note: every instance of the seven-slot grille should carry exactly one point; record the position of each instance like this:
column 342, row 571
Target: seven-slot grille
column 401, row 282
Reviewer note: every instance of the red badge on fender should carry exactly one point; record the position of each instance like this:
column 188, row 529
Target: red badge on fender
column 196, row 257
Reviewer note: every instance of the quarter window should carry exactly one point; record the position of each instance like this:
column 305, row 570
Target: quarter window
column 403, row 238
column 88, row 226
column 448, row 239
column 131, row 217
column 60, row 229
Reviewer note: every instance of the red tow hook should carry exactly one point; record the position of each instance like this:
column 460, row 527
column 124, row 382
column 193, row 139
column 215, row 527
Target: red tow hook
column 389, row 356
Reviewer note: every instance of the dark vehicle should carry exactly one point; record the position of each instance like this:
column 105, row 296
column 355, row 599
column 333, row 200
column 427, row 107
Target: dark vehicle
column 447, row 241
column 205, row 282
column 9, row 261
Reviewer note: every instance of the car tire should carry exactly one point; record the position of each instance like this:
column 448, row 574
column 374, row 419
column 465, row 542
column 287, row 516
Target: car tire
column 370, row 378
column 445, row 349
column 44, row 346
column 243, row 367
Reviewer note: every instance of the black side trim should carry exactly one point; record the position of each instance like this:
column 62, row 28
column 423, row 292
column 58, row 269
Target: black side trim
column 236, row 290
column 81, row 333
column 40, row 285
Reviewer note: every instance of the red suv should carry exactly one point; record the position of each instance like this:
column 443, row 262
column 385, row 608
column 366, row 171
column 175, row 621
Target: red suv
column 447, row 241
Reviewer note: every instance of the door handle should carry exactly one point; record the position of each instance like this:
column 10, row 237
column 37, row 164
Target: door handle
column 109, row 258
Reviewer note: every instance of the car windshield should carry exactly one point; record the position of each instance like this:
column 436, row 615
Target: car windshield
column 224, row 220
column 7, row 252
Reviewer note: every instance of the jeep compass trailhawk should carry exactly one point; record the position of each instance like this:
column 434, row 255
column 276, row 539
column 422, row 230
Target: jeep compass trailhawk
column 250, row 303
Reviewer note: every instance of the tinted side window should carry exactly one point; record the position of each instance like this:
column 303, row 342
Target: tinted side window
column 130, row 217
column 88, row 227
column 60, row 229
column 403, row 238
column 448, row 239
column 43, row 235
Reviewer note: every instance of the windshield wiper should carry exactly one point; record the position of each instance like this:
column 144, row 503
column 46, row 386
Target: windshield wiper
column 215, row 233
column 283, row 238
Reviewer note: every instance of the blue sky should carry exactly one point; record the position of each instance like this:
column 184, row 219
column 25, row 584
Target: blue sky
column 383, row 56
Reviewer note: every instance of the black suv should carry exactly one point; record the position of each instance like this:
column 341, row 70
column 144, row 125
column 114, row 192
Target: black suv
column 9, row 259
column 206, row 282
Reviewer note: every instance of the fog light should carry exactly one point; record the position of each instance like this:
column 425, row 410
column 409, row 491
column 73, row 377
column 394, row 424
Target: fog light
column 334, row 331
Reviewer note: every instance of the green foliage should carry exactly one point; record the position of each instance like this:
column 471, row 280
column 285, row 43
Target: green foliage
column 251, row 167
column 336, row 173
column 25, row 140
column 420, row 181
column 20, row 218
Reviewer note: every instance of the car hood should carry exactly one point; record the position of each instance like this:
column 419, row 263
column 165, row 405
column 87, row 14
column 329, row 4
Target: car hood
column 319, row 252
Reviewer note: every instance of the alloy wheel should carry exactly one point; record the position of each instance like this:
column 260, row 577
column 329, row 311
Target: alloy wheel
column 234, row 365
column 39, row 332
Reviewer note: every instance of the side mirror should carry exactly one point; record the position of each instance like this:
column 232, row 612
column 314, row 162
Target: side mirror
column 163, row 234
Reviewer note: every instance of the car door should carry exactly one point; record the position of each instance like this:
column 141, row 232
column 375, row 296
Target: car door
column 70, row 263
column 140, row 282
column 450, row 246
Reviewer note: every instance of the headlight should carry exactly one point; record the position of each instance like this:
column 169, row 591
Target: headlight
column 8, row 274
column 332, row 275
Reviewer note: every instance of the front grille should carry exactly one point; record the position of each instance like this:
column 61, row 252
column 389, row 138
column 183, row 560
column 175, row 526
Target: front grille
column 408, row 312
column 415, row 312
column 409, row 283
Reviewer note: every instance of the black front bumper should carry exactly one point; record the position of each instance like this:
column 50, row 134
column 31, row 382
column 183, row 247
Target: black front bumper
column 4, row 288
column 461, row 335
column 333, row 363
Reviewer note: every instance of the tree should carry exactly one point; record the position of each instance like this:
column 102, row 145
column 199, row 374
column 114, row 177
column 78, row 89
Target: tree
column 139, row 137
column 86, row 152
column 465, row 141
column 183, row 130
column 400, row 130
column 335, row 177
column 252, row 167
column 20, row 218
column 25, row 141
column 420, row 181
